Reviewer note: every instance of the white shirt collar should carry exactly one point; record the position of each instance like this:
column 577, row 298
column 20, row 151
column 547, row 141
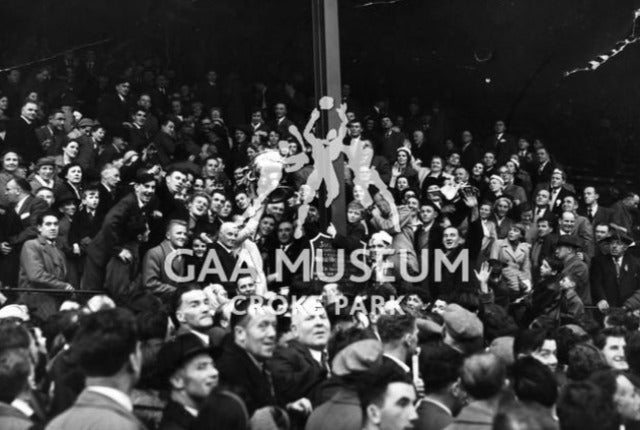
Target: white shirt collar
column 116, row 395
column 23, row 407
column 398, row 362
column 192, row 411
column 21, row 203
column 317, row 355
column 203, row 337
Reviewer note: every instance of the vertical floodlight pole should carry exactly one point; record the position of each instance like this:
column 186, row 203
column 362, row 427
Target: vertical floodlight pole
column 326, row 65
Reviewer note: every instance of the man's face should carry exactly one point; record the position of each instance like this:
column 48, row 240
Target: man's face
column 246, row 286
column 144, row 102
column 466, row 137
column 499, row 127
column 398, row 411
column 177, row 235
column 601, row 232
column 418, row 137
column 112, row 178
column 543, row 228
column 169, row 128
column 556, row 180
column 569, row 204
column 427, row 214
column 30, row 111
column 461, row 175
column 386, row 123
column 199, row 206
column 542, row 155
column 489, row 159
column 197, row 377
column 502, row 208
column 542, row 198
column 285, row 233
column 562, row 252
column 617, row 248
column 567, row 222
column 450, row 238
column 311, row 327
column 228, row 237
column 589, row 195
column 13, row 192
column 256, row 117
column 194, row 310
column 176, row 181
column 353, row 216
column 355, row 129
column 49, row 228
column 276, row 210
column 547, row 354
column 57, row 121
column 140, row 118
column 506, row 176
column 259, row 335
column 280, row 110
column 47, row 196
column 613, row 352
column 526, row 217
column 217, row 201
column 123, row 89
column 413, row 203
column 145, row 191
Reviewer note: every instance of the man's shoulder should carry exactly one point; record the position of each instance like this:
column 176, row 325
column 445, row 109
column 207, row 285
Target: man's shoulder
column 93, row 417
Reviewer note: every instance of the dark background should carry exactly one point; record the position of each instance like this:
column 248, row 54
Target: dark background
column 421, row 48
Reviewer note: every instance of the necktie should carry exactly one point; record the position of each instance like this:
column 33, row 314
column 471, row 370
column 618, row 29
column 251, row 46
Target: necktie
column 617, row 263
column 590, row 214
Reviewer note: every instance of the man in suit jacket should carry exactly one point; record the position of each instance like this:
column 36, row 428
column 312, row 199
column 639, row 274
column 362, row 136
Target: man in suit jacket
column 108, row 351
column 21, row 134
column 108, row 189
column 154, row 275
column 113, row 235
column 113, row 110
column 165, row 141
column 51, row 136
column 470, row 152
column 242, row 366
column 543, row 169
column 557, row 191
column 282, row 123
column 502, row 144
column 390, row 140
column 441, row 364
column 582, row 227
column 225, row 249
column 615, row 278
column 138, row 134
column 43, row 266
column 595, row 213
column 302, row 365
column 399, row 337
column 14, row 373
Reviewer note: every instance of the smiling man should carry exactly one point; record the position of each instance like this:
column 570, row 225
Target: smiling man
column 611, row 343
column 159, row 269
column 242, row 364
column 301, row 366
column 191, row 374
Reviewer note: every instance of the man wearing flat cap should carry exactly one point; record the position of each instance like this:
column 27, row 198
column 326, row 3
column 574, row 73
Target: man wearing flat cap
column 462, row 330
column 567, row 250
column 187, row 368
column 615, row 278
column 112, row 236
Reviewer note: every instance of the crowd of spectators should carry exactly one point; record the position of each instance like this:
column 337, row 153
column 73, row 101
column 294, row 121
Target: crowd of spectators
column 130, row 202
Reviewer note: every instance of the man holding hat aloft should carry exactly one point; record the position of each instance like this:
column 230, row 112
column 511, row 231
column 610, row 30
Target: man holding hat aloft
column 615, row 278
column 186, row 364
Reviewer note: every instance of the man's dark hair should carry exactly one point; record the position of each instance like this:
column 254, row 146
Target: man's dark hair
column 55, row 112
column 13, row 334
column 583, row 406
column 622, row 318
column 176, row 298
column 442, row 365
column 372, row 384
column 584, row 359
column 554, row 263
column 166, row 120
column 40, row 218
column 600, row 339
column 528, row 341
column 483, row 375
column 152, row 325
column 394, row 327
column 15, row 367
column 104, row 341
column 534, row 382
